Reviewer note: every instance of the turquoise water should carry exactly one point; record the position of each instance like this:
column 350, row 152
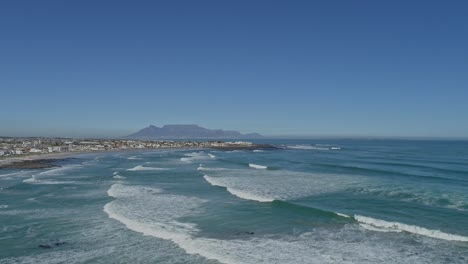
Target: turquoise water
column 315, row 201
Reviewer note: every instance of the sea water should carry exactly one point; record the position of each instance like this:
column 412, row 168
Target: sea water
column 310, row 201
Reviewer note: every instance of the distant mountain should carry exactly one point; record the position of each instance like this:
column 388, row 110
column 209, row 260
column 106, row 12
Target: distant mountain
column 189, row 132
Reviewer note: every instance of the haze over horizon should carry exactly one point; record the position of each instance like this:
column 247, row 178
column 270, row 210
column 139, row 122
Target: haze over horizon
column 302, row 69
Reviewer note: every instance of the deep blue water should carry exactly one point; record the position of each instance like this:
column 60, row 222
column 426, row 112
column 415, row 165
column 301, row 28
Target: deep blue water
column 313, row 201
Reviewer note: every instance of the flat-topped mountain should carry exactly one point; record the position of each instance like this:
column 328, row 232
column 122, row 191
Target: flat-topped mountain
column 189, row 132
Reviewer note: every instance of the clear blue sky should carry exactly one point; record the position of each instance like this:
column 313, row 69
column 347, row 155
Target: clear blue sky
column 307, row 68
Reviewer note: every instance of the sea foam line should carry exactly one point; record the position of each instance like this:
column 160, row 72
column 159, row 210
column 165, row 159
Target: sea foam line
column 33, row 180
column 256, row 166
column 189, row 157
column 386, row 226
column 342, row 215
column 59, row 170
column 142, row 168
column 310, row 147
column 12, row 174
column 243, row 195
column 201, row 168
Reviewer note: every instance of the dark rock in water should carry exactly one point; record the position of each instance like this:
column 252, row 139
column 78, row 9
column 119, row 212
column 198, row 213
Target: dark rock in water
column 33, row 164
column 52, row 244
column 245, row 233
column 45, row 246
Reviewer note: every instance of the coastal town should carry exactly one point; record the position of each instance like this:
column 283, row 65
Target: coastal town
column 19, row 147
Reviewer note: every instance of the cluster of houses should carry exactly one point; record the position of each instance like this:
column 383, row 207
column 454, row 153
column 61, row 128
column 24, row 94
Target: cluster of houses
column 26, row 146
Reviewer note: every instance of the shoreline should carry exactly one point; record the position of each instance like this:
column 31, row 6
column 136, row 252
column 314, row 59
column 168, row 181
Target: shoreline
column 46, row 160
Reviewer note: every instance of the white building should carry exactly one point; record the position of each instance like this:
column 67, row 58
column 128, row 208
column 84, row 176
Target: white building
column 35, row 150
column 53, row 149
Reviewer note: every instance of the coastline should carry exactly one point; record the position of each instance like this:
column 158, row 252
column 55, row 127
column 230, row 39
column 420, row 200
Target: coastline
column 54, row 157
column 37, row 161
column 46, row 160
column 9, row 160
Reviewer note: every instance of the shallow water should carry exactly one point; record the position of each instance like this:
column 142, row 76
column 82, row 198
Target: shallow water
column 315, row 201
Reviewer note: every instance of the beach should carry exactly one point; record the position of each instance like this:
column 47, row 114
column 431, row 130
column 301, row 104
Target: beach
column 46, row 160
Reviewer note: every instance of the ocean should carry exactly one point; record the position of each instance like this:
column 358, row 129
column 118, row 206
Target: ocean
column 311, row 201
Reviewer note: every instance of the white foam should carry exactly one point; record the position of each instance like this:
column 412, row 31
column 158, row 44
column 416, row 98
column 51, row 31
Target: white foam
column 3, row 206
column 201, row 168
column 143, row 168
column 30, row 180
column 8, row 175
column 386, row 226
column 119, row 190
column 258, row 150
column 34, row 180
column 194, row 156
column 256, row 166
column 153, row 212
column 268, row 185
column 307, row 147
column 342, row 215
column 119, row 177
column 59, row 171
column 236, row 192
column 115, row 173
column 48, row 176
column 134, row 158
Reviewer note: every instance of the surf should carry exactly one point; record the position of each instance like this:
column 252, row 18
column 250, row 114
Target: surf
column 259, row 167
column 144, row 168
column 386, row 226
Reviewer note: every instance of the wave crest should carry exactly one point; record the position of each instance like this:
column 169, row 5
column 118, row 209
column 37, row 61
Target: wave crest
column 386, row 226
column 259, row 167
column 143, row 168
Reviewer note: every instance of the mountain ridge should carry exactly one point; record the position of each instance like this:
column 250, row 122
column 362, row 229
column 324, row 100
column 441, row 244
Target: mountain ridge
column 189, row 131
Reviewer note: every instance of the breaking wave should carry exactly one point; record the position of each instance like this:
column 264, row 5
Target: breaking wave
column 195, row 156
column 244, row 195
column 154, row 212
column 48, row 177
column 143, row 168
column 385, row 226
column 8, row 175
column 255, row 166
column 266, row 185
column 34, row 180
